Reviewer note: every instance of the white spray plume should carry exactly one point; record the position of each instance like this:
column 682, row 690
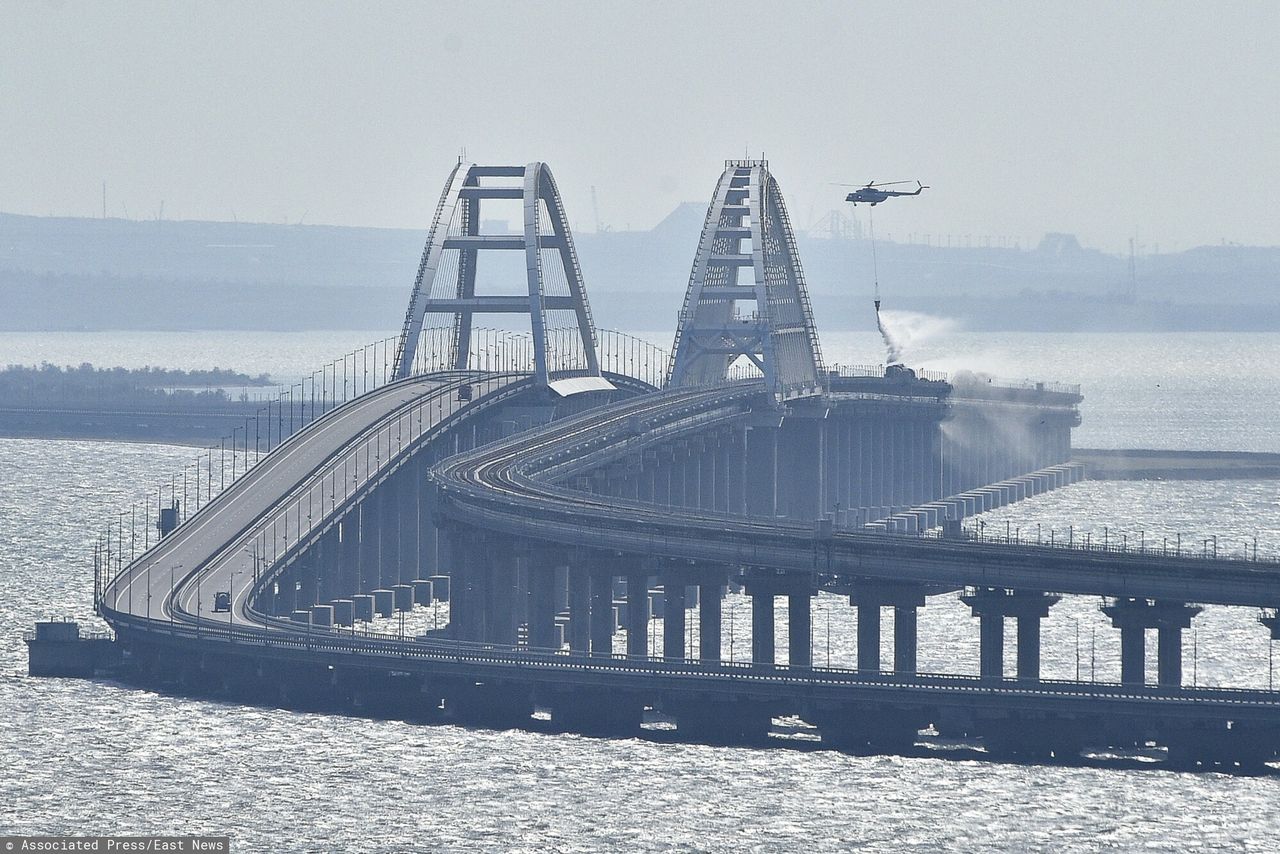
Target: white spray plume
column 903, row 330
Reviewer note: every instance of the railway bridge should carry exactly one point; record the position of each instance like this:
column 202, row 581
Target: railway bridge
column 558, row 491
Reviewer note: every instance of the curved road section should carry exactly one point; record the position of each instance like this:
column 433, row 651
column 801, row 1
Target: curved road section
column 517, row 486
column 279, row 504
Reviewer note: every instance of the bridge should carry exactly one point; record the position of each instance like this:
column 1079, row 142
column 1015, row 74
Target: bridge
column 559, row 488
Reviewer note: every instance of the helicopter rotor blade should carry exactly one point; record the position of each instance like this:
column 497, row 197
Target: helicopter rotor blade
column 892, row 183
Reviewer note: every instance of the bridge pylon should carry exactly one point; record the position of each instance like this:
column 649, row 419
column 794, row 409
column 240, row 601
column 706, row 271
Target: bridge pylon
column 747, row 254
column 554, row 297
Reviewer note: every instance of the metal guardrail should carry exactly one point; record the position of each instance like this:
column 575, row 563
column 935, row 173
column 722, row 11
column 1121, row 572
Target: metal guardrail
column 30, row 635
column 284, row 635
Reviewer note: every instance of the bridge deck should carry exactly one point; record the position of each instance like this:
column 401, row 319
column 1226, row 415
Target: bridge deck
column 291, row 493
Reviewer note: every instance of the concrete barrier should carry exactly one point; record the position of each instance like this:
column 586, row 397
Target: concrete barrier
column 362, row 606
column 403, row 594
column 440, row 587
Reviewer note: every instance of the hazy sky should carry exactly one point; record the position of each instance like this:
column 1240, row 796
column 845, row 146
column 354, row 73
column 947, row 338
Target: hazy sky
column 1094, row 118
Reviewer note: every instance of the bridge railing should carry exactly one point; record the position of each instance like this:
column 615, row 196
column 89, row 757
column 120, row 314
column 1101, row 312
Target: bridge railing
column 511, row 351
column 1205, row 548
column 1112, row 542
column 331, row 639
column 960, row 379
column 137, row 529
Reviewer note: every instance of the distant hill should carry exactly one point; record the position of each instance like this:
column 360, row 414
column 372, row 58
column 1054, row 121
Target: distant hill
column 62, row 273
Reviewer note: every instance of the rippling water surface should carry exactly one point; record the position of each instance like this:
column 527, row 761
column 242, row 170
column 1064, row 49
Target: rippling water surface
column 83, row 757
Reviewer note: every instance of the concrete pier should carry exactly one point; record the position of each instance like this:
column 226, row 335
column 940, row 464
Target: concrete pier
column 542, row 601
column 869, row 596
column 762, row 627
column 322, row 615
column 384, row 602
column 440, row 587
column 602, row 617
column 799, row 629
column 579, row 608
column 1133, row 617
column 673, row 616
column 638, row 614
column 57, row 648
column 991, row 605
column 362, row 606
column 710, row 602
column 403, row 596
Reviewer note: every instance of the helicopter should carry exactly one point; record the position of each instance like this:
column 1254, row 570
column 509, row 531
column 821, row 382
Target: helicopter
column 873, row 193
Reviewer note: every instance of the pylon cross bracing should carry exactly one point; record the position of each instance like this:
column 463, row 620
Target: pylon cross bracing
column 747, row 231
column 446, row 283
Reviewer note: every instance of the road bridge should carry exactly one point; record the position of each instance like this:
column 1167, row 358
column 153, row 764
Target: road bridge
column 552, row 505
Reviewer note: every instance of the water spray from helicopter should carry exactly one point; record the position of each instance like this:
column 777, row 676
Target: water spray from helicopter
column 873, row 194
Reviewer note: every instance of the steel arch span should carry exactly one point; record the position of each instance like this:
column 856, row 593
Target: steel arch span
column 747, row 229
column 446, row 282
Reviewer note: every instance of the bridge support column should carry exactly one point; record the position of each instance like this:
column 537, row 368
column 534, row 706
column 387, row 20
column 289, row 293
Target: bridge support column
column 1133, row 617
column 602, row 622
column 762, row 469
column 286, row 598
column 1169, row 656
column 685, row 483
column 662, row 466
column 799, row 629
column 579, row 607
column 991, row 646
column 762, row 585
column 349, row 557
column 802, row 464
column 306, row 576
column 762, row 640
column 328, row 586
column 638, row 614
column 673, row 616
column 647, row 490
column 991, row 605
column 708, row 475
column 709, row 613
column 428, row 535
column 736, row 472
column 469, row 587
column 389, row 532
column 870, row 595
column 1029, row 648
column 367, row 514
column 542, row 599
column 869, row 637
column 905, row 638
column 720, row 445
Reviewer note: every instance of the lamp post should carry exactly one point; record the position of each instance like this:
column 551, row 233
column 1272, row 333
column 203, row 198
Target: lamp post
column 1076, row 623
column 172, row 567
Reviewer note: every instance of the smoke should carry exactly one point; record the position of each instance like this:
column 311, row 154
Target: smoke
column 891, row 344
column 965, row 380
column 903, row 331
